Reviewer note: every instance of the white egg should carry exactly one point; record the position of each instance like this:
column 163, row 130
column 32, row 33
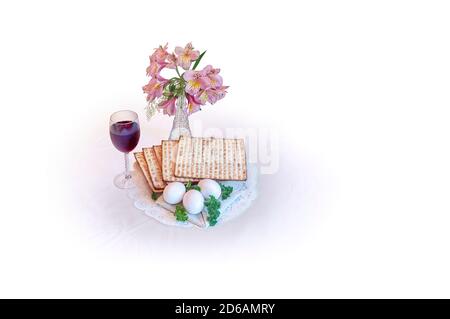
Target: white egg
column 209, row 187
column 174, row 192
column 193, row 201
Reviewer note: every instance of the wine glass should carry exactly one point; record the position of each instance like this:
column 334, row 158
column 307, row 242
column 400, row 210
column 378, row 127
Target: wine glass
column 125, row 132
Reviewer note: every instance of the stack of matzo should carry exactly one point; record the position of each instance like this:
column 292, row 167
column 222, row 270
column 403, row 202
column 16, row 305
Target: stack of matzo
column 150, row 166
column 191, row 159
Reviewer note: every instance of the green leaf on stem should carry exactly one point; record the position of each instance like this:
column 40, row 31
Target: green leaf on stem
column 198, row 60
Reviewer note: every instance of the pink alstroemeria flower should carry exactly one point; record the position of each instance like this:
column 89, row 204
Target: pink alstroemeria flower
column 160, row 54
column 154, row 68
column 168, row 106
column 193, row 104
column 186, row 55
column 212, row 79
column 157, row 61
column 213, row 95
column 172, row 61
column 154, row 88
column 221, row 92
column 194, row 81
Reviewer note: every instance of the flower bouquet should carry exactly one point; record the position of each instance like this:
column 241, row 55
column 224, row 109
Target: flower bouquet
column 184, row 93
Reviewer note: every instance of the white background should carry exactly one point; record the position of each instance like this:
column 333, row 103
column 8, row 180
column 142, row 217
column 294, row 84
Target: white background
column 356, row 91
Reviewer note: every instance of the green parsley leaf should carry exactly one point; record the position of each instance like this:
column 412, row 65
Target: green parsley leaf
column 180, row 213
column 226, row 191
column 189, row 186
column 155, row 195
column 213, row 206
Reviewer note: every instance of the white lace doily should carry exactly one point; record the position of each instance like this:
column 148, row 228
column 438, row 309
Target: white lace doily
column 241, row 198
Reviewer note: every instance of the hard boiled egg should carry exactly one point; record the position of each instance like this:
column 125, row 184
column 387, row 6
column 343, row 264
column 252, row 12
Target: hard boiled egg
column 209, row 188
column 174, row 192
column 193, row 201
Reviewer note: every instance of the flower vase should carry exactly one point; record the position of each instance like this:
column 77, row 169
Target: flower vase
column 181, row 120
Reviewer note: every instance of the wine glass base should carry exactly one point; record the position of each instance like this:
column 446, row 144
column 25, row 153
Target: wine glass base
column 123, row 182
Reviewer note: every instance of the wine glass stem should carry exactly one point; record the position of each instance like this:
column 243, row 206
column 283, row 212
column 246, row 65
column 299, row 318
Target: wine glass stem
column 127, row 166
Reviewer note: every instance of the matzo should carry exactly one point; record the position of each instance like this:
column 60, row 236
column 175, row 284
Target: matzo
column 158, row 153
column 215, row 158
column 169, row 152
column 154, row 168
column 140, row 159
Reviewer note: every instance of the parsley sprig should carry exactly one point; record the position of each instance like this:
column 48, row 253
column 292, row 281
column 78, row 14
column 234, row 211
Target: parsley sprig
column 213, row 206
column 189, row 186
column 155, row 195
column 181, row 213
column 226, row 191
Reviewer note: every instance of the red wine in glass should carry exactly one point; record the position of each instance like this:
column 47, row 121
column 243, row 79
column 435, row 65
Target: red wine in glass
column 125, row 133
